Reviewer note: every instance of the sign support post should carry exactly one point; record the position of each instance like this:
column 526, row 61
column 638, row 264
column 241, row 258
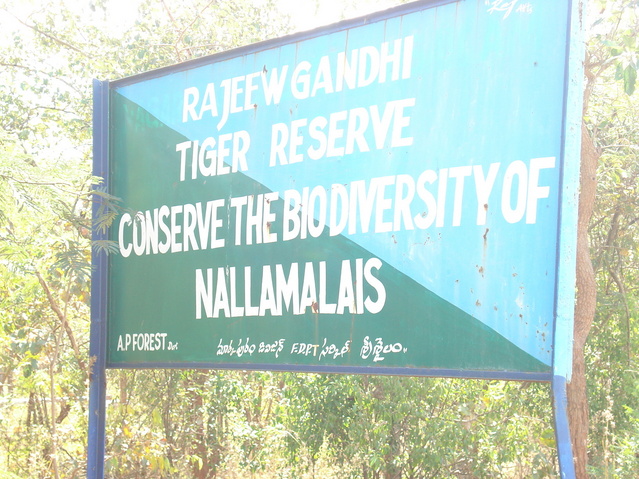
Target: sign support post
column 99, row 283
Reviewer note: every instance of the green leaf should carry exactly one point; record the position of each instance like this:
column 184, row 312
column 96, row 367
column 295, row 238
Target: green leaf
column 548, row 438
column 629, row 79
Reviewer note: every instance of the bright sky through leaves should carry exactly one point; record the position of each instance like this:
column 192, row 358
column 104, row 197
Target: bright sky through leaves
column 304, row 14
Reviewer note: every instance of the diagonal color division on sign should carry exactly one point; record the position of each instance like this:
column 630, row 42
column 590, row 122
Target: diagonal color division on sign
column 153, row 294
column 488, row 87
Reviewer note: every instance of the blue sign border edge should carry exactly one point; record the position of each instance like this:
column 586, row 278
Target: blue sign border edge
column 567, row 241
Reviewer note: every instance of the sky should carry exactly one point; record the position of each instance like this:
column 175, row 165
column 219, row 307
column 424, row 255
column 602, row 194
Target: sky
column 326, row 12
column 305, row 14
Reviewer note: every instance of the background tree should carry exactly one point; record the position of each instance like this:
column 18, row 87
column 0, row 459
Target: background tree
column 610, row 77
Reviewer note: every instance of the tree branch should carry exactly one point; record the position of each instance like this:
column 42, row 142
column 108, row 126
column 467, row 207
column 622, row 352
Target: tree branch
column 52, row 37
column 63, row 321
column 41, row 72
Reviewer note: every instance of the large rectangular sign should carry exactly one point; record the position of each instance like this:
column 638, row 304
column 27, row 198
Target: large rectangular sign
column 381, row 196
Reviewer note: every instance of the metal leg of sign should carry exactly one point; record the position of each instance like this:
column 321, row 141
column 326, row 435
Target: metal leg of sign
column 97, row 348
column 562, row 428
column 97, row 415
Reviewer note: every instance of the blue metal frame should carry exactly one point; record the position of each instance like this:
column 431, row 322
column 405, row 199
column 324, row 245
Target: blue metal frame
column 566, row 254
column 99, row 284
column 569, row 197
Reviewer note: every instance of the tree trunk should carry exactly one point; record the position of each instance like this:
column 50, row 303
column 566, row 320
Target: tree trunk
column 199, row 444
column 584, row 307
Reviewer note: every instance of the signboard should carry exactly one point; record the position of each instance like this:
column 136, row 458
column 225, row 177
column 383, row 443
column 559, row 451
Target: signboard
column 383, row 196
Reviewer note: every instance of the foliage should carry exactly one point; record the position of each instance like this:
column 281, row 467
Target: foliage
column 233, row 424
column 612, row 118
